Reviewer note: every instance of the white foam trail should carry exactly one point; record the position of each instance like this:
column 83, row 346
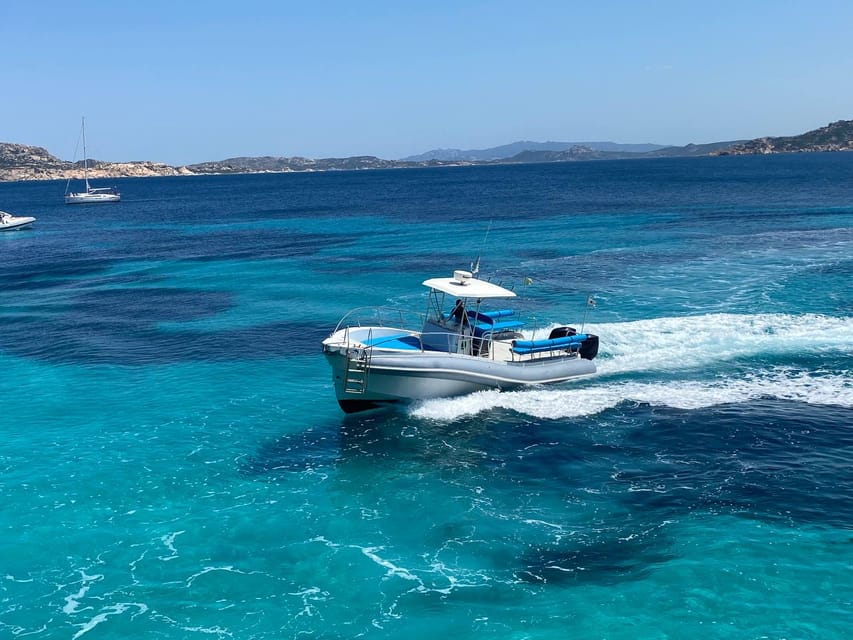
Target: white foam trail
column 72, row 602
column 227, row 569
column 310, row 595
column 169, row 542
column 214, row 631
column 667, row 344
column 552, row 403
column 111, row 610
column 393, row 570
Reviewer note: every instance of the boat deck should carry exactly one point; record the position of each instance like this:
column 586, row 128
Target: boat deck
column 402, row 342
column 497, row 350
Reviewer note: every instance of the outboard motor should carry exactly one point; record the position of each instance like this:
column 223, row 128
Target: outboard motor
column 562, row 332
column 589, row 347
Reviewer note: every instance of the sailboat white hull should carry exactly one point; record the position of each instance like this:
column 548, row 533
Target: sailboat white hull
column 91, row 198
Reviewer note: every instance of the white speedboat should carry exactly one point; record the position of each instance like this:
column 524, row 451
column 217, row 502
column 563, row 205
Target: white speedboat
column 380, row 356
column 8, row 222
column 90, row 195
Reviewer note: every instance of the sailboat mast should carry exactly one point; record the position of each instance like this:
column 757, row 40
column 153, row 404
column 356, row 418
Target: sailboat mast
column 85, row 159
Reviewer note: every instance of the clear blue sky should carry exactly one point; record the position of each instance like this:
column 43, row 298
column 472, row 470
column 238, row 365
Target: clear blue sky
column 183, row 82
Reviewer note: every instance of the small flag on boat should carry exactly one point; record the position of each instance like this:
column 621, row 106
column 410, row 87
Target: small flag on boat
column 590, row 301
column 528, row 281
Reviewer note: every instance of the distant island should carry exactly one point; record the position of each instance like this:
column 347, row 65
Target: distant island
column 20, row 162
column 836, row 136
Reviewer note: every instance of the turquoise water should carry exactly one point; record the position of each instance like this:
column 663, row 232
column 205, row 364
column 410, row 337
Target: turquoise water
column 174, row 463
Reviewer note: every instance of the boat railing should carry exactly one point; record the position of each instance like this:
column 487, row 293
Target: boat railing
column 423, row 342
column 382, row 317
column 438, row 342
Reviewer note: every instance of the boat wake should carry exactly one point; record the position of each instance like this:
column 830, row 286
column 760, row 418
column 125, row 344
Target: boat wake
column 673, row 349
column 573, row 403
column 670, row 344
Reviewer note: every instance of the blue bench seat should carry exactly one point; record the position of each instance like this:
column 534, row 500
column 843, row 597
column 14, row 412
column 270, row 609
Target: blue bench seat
column 525, row 347
column 493, row 321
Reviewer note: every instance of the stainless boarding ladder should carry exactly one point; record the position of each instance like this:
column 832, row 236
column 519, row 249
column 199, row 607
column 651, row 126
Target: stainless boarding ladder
column 357, row 368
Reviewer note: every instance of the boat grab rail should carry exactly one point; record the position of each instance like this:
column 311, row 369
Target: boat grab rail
column 382, row 317
column 415, row 342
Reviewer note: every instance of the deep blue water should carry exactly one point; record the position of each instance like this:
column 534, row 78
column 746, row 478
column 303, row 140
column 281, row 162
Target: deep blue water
column 174, row 463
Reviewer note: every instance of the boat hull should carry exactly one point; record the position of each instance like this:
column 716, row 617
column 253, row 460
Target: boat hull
column 91, row 198
column 16, row 224
column 390, row 377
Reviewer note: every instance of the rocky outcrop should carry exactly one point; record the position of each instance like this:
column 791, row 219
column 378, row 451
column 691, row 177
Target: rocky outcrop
column 836, row 136
column 23, row 162
column 140, row 169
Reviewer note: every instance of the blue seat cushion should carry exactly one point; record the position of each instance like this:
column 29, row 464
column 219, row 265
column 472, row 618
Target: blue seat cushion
column 523, row 347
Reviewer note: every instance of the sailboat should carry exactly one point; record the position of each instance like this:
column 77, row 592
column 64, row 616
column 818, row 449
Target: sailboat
column 90, row 195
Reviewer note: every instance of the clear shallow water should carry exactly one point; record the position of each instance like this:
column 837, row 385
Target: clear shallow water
column 174, row 463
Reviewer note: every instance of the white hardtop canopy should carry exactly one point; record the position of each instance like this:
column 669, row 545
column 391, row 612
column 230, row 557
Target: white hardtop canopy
column 464, row 285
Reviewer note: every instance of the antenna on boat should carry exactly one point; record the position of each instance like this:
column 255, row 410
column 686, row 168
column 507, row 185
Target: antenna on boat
column 590, row 302
column 475, row 266
column 76, row 149
column 85, row 159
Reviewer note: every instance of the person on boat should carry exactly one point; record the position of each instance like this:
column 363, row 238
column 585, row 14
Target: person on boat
column 458, row 314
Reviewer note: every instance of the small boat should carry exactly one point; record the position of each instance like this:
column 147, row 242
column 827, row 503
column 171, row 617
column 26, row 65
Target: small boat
column 93, row 196
column 381, row 356
column 8, row 222
column 90, row 195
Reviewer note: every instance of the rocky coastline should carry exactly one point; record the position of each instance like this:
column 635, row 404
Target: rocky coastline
column 20, row 162
column 836, row 136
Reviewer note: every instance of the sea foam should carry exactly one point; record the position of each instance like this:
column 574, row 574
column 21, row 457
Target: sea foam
column 674, row 346
column 680, row 394
column 685, row 342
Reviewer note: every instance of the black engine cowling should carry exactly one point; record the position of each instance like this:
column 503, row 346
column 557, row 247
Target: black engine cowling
column 588, row 347
column 562, row 332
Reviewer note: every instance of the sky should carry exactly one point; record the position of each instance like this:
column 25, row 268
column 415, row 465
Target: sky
column 190, row 81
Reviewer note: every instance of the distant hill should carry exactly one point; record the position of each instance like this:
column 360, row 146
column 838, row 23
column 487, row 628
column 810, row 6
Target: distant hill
column 514, row 148
column 279, row 164
column 836, row 136
column 691, row 150
column 22, row 162
column 575, row 153
column 582, row 152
